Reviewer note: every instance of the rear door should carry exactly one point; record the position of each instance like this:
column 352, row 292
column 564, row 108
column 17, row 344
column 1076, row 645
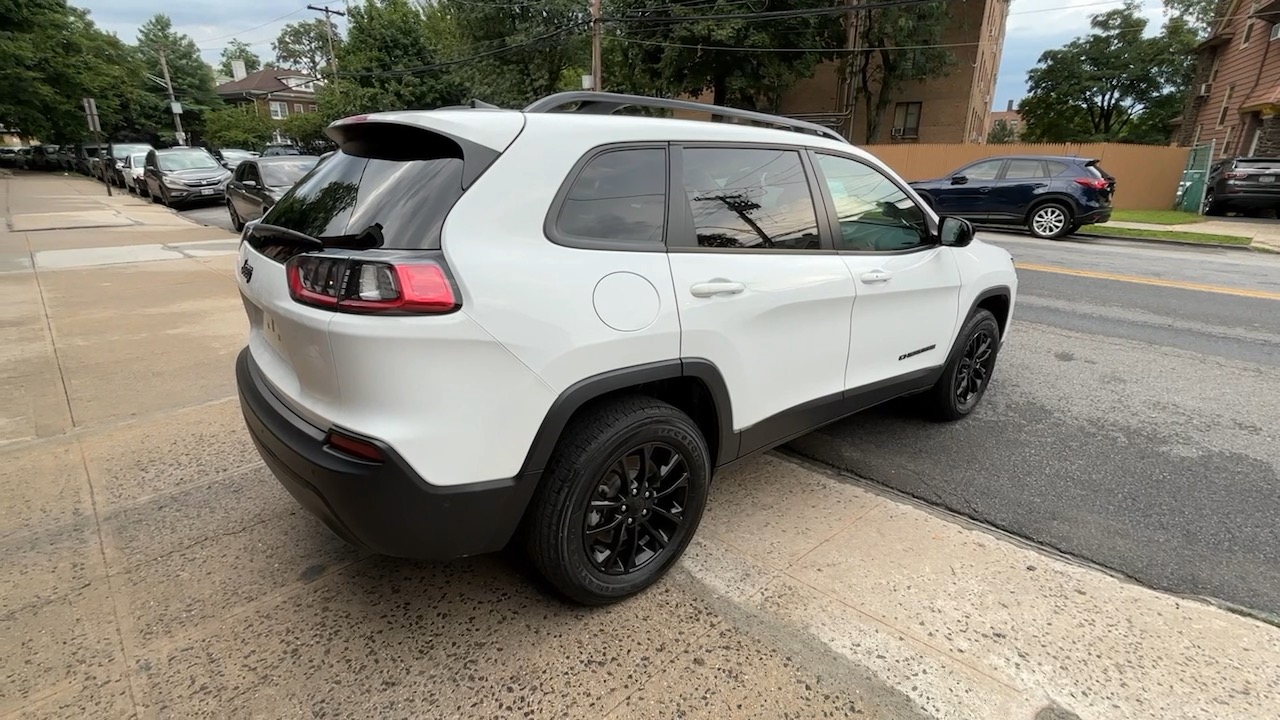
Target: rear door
column 760, row 293
column 969, row 193
column 1023, row 180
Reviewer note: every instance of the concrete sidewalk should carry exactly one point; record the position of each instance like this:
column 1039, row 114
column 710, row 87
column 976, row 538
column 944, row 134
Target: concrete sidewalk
column 1262, row 233
column 155, row 569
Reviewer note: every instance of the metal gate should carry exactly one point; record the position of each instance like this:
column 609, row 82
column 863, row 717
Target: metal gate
column 1191, row 189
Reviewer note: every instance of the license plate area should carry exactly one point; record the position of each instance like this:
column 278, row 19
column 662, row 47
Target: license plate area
column 208, row 191
column 271, row 333
column 1267, row 179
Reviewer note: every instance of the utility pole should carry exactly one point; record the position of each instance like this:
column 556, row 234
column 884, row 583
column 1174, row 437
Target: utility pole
column 180, row 136
column 597, row 56
column 91, row 115
column 328, row 30
column 851, row 86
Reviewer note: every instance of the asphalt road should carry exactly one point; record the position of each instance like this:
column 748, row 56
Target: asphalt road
column 1133, row 420
column 215, row 215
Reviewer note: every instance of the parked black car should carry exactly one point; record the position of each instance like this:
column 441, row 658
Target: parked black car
column 232, row 157
column 184, row 175
column 114, row 169
column 1242, row 184
column 86, row 157
column 9, row 156
column 259, row 183
column 275, row 149
column 43, row 157
column 1052, row 196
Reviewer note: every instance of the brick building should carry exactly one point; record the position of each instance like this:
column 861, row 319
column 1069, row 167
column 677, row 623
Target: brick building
column 1010, row 115
column 955, row 108
column 1235, row 99
column 277, row 93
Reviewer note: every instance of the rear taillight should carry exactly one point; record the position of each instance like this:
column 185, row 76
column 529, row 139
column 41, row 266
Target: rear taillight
column 1235, row 175
column 346, row 284
column 1095, row 183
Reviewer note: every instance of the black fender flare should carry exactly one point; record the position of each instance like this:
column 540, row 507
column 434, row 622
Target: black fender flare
column 584, row 391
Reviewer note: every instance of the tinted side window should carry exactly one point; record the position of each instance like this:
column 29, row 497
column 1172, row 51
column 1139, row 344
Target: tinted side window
column 1056, row 168
column 1022, row 169
column 874, row 213
column 619, row 195
column 983, row 170
column 749, row 198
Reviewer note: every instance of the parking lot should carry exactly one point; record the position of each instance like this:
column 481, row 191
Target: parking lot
column 155, row 569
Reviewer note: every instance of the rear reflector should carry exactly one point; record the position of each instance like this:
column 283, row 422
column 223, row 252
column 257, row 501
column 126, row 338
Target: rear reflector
column 354, row 446
column 345, row 284
column 1095, row 183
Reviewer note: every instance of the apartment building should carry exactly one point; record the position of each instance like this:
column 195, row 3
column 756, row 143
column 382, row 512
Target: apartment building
column 955, row 108
column 1235, row 99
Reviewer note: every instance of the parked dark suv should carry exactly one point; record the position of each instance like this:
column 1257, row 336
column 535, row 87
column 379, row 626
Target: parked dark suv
column 1052, row 196
column 1243, row 184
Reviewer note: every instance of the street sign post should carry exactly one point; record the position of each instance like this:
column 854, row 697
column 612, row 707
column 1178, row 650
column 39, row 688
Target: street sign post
column 95, row 127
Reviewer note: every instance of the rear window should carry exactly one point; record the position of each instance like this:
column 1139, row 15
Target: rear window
column 286, row 172
column 365, row 202
column 1259, row 164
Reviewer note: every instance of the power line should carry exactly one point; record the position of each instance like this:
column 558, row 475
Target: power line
column 255, row 27
column 469, row 58
column 774, row 14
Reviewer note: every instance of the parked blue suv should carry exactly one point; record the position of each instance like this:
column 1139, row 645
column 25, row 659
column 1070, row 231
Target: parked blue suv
column 1052, row 196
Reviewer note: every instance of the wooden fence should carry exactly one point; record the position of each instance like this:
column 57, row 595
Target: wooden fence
column 1146, row 175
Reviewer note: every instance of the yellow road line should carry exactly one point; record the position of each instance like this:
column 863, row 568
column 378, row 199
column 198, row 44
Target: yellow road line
column 1161, row 282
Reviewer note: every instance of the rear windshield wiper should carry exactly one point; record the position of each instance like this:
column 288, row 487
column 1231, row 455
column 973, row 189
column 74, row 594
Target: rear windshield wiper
column 267, row 230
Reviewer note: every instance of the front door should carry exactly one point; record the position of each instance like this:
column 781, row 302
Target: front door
column 969, row 192
column 760, row 294
column 908, row 286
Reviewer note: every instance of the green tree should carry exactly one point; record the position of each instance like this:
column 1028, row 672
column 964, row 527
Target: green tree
column 305, row 46
column 238, row 126
column 665, row 51
column 1114, row 84
column 1002, row 133
column 390, row 62
column 52, row 56
column 239, row 50
column 307, row 129
column 1198, row 14
column 533, row 46
column 192, row 78
column 901, row 44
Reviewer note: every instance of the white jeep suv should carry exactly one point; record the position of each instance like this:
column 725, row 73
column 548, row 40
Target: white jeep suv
column 557, row 324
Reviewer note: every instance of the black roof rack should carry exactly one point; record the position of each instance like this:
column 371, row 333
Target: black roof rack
column 604, row 103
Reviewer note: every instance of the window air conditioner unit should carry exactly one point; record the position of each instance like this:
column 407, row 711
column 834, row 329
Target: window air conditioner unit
column 896, row 132
column 1204, row 89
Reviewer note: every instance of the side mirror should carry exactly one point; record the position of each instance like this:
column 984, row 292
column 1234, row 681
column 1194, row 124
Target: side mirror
column 249, row 183
column 955, row 232
column 959, row 179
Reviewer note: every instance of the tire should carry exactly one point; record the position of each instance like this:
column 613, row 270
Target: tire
column 155, row 197
column 597, row 460
column 1210, row 206
column 236, row 222
column 945, row 402
column 1049, row 221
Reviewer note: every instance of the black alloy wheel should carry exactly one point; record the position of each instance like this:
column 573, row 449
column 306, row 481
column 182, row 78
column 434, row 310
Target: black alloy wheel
column 975, row 368
column 637, row 509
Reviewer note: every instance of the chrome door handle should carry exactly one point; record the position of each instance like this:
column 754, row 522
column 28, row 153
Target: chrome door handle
column 985, row 189
column 876, row 276
column 718, row 286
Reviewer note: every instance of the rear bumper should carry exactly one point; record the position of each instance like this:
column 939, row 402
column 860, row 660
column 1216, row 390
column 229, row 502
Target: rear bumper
column 1249, row 197
column 1094, row 216
column 384, row 507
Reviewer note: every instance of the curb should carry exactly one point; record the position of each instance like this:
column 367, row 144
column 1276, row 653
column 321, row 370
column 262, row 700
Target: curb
column 1157, row 241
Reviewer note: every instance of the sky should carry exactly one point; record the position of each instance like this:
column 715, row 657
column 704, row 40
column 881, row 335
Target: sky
column 1033, row 27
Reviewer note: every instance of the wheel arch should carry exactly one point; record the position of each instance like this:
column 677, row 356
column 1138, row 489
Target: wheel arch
column 998, row 300
column 693, row 385
column 1058, row 198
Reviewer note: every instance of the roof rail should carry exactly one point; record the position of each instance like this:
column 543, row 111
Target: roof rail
column 604, row 103
column 471, row 104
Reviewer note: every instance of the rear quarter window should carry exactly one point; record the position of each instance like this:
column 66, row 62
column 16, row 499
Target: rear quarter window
column 617, row 199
